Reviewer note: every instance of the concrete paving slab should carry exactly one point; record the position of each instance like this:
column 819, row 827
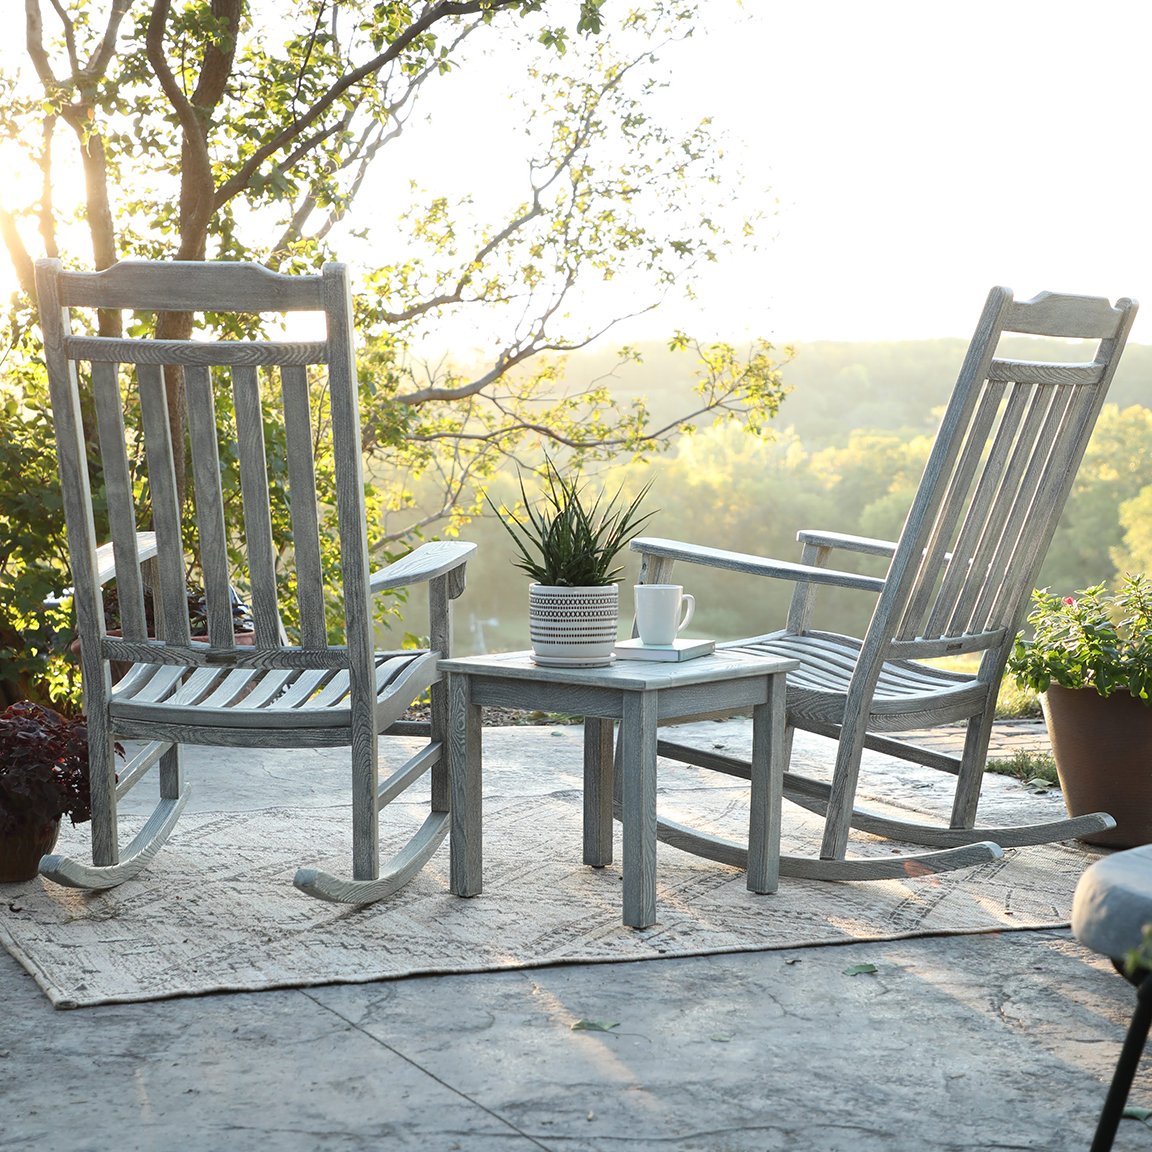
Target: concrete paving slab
column 980, row 1042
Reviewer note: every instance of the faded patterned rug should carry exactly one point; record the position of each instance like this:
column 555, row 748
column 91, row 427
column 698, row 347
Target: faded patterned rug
column 217, row 911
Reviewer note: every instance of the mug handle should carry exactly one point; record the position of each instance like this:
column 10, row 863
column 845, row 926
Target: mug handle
column 689, row 608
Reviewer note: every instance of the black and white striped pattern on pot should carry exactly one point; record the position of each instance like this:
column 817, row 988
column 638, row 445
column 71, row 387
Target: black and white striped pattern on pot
column 573, row 625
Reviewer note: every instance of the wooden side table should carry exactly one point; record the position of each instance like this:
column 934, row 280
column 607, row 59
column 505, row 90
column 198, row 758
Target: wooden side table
column 640, row 695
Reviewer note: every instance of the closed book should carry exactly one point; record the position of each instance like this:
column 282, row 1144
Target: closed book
column 674, row 652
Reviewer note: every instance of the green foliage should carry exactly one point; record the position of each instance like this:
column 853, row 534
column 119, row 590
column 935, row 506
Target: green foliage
column 209, row 131
column 43, row 768
column 1096, row 639
column 567, row 542
column 1016, row 702
column 34, row 622
column 1037, row 769
column 1139, row 959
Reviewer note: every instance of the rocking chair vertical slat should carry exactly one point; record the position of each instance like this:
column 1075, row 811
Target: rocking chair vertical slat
column 302, row 498
column 1069, row 440
column 109, row 408
column 350, row 514
column 172, row 603
column 257, row 516
column 209, row 505
column 983, row 538
column 71, row 455
column 937, row 545
column 1039, row 452
column 982, row 530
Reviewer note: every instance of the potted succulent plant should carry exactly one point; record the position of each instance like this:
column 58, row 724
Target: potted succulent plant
column 569, row 545
column 1089, row 657
column 43, row 776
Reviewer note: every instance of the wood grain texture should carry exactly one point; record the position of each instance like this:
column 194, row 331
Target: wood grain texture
column 599, row 752
column 465, row 771
column 191, row 286
column 624, row 783
column 144, row 846
column 179, row 690
column 252, row 353
column 752, row 565
column 638, row 765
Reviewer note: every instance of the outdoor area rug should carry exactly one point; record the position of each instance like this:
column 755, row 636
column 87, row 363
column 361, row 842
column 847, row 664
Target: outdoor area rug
column 216, row 910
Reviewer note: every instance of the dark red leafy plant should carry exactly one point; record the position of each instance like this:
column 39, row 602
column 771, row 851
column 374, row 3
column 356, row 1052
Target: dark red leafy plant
column 43, row 768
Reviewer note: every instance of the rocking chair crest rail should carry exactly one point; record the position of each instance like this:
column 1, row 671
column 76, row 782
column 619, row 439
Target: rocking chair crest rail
column 286, row 396
column 958, row 581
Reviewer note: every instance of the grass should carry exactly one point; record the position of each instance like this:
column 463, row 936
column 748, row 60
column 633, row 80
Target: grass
column 1035, row 769
column 1012, row 702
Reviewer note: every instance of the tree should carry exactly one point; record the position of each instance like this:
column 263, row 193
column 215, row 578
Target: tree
column 207, row 129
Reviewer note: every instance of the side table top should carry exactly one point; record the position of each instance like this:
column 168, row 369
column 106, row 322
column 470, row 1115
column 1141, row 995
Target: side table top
column 626, row 675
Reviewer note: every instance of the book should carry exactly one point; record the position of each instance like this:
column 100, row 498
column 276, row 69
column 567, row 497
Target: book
column 676, row 651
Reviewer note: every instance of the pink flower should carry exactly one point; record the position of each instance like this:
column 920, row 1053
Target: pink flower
column 1069, row 601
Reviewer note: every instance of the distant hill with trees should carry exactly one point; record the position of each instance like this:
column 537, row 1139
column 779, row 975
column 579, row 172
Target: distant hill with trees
column 845, row 452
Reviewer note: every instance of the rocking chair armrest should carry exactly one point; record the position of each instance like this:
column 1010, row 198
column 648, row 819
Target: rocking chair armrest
column 865, row 544
column 430, row 560
column 106, row 563
column 755, row 565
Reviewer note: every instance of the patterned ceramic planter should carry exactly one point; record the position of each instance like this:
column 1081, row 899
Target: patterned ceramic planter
column 573, row 627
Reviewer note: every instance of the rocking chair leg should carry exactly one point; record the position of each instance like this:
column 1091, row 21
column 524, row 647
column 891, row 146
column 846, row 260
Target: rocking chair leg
column 172, row 773
column 1126, row 1066
column 967, row 796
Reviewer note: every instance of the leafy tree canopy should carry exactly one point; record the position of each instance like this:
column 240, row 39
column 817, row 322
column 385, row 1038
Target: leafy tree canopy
column 204, row 129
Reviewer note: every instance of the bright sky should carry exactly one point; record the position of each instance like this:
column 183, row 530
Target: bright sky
column 921, row 153
column 911, row 155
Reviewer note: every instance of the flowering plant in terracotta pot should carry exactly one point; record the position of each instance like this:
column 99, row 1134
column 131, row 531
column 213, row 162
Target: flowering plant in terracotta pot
column 1094, row 639
column 1089, row 656
column 43, row 777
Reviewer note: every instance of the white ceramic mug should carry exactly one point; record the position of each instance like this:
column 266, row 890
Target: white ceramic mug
column 662, row 610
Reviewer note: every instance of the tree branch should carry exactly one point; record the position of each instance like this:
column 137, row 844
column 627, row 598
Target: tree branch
column 430, row 17
column 196, row 181
column 216, row 69
column 34, row 42
column 18, row 253
column 47, row 211
column 102, row 57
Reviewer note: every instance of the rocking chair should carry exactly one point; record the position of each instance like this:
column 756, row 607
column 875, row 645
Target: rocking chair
column 180, row 690
column 958, row 581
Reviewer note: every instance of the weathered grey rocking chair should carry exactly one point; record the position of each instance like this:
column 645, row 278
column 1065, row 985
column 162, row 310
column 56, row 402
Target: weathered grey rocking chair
column 959, row 581
column 179, row 690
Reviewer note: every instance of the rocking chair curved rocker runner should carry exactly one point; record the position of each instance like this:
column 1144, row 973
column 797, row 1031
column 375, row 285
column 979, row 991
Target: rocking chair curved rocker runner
column 958, row 581
column 273, row 694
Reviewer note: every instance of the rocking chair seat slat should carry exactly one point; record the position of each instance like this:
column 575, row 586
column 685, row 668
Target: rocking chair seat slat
column 315, row 702
column 819, row 685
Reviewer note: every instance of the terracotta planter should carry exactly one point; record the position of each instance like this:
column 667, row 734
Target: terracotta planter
column 1103, row 751
column 20, row 854
column 573, row 627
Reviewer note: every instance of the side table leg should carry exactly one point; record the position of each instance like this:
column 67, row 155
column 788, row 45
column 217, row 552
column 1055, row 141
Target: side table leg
column 466, row 774
column 598, row 774
column 638, row 767
column 768, row 722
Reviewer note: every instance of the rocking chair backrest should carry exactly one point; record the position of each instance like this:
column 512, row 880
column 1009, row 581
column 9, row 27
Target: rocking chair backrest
column 94, row 377
column 997, row 478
